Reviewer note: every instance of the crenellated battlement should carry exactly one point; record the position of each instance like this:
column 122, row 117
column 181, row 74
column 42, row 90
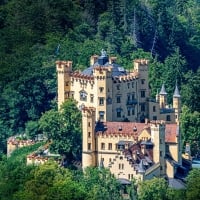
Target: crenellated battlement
column 125, row 78
column 36, row 159
column 141, row 61
column 64, row 64
column 157, row 122
column 89, row 110
column 14, row 143
column 103, row 68
column 117, row 135
column 78, row 76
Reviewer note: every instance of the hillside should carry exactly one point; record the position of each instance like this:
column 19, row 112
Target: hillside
column 34, row 34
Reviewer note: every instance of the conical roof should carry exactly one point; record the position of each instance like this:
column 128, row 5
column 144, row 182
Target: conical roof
column 163, row 91
column 176, row 92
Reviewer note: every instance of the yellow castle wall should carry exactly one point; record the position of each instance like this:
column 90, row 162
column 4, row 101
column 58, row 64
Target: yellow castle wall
column 133, row 87
column 121, row 168
column 169, row 169
column 108, row 154
column 173, row 150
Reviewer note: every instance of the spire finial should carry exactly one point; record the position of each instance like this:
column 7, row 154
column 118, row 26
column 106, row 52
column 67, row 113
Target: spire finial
column 176, row 91
column 163, row 91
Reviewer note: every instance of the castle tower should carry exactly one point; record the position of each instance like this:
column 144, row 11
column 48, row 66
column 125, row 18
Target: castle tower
column 158, row 139
column 177, row 103
column 63, row 69
column 163, row 97
column 88, row 141
column 103, row 81
column 178, row 152
column 142, row 87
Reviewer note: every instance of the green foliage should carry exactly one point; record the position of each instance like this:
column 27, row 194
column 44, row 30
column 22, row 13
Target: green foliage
column 191, row 90
column 21, row 153
column 174, row 69
column 155, row 189
column 100, row 184
column 14, row 171
column 190, row 126
column 36, row 34
column 64, row 129
column 193, row 185
column 173, row 194
column 49, row 181
column 32, row 129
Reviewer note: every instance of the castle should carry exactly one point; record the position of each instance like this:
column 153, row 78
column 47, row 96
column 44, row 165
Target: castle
column 124, row 129
column 130, row 149
column 117, row 95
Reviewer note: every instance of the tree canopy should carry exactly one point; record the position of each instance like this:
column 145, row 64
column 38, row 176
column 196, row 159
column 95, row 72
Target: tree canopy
column 36, row 34
column 63, row 129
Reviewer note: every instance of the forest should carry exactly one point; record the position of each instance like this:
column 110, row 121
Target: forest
column 35, row 34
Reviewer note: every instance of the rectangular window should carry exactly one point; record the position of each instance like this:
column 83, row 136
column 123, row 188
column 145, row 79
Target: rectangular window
column 109, row 146
column 132, row 84
column 91, row 98
column 83, row 96
column 102, row 146
column 160, row 153
column 67, row 83
column 154, row 108
column 143, row 107
column 122, row 166
column 89, row 134
column 101, row 115
column 118, row 113
column 118, row 87
column 142, row 93
column 101, row 101
column 142, row 81
column 128, row 85
column 154, row 117
column 129, row 112
column 119, row 166
column 133, row 96
column 131, row 176
column 101, row 89
column 89, row 146
column 168, row 118
column 118, row 99
column 133, row 111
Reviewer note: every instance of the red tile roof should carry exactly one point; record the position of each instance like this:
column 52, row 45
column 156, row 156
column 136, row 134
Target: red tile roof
column 124, row 128
column 127, row 128
column 170, row 133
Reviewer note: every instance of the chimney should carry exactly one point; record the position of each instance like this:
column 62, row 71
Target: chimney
column 93, row 59
column 112, row 60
